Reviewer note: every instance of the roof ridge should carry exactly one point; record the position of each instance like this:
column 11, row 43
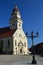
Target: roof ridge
column 4, row 27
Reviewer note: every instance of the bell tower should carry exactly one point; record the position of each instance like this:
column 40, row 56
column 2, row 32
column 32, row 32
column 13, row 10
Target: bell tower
column 15, row 20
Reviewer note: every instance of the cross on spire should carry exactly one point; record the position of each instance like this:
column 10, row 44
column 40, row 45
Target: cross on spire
column 15, row 4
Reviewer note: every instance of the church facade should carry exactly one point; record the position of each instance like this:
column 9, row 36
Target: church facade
column 13, row 39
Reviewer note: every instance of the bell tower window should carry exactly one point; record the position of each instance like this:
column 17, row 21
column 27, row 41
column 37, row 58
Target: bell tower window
column 19, row 25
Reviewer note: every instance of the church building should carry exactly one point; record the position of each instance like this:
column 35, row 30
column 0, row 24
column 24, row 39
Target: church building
column 13, row 39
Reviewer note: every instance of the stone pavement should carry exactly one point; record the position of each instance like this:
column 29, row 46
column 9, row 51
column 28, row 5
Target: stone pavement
column 27, row 63
column 19, row 60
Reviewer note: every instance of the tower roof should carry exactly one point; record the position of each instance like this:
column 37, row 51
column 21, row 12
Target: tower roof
column 15, row 17
column 15, row 10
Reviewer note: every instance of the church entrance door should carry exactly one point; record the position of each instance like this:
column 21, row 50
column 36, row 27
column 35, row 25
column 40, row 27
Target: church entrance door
column 20, row 47
column 20, row 50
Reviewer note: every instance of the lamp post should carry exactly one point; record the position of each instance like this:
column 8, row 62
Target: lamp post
column 32, row 36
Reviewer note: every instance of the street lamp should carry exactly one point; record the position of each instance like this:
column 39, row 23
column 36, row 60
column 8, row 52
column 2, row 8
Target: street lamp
column 32, row 36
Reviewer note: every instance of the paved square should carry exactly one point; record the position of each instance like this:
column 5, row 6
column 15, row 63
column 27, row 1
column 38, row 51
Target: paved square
column 19, row 60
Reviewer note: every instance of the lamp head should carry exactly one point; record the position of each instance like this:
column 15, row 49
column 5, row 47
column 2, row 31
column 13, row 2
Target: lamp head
column 26, row 34
column 37, row 34
column 32, row 33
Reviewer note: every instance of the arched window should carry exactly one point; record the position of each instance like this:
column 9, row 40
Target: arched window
column 20, row 35
column 15, row 42
column 8, row 43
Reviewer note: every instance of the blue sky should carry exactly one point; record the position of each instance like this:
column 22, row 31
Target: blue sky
column 31, row 12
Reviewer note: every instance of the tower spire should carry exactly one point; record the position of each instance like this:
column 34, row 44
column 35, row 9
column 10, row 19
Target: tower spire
column 15, row 20
column 15, row 4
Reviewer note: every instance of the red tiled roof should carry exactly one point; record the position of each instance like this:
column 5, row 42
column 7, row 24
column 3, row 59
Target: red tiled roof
column 6, row 32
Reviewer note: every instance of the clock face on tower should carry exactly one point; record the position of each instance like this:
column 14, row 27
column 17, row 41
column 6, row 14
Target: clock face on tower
column 19, row 25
